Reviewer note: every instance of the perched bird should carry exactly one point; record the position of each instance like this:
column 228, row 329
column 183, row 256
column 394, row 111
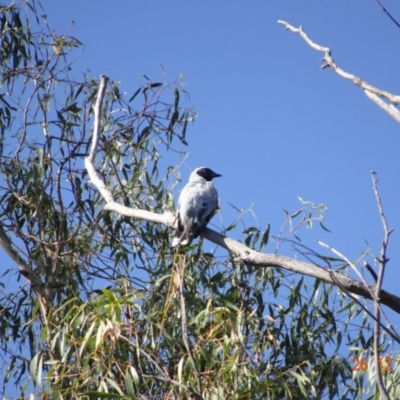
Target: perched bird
column 197, row 203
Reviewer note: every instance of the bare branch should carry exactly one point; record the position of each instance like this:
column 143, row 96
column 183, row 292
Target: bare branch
column 349, row 263
column 371, row 290
column 368, row 89
column 261, row 260
column 389, row 329
column 251, row 257
column 96, row 180
column 383, row 259
column 167, row 218
column 386, row 229
column 97, row 116
column 382, row 266
column 389, row 108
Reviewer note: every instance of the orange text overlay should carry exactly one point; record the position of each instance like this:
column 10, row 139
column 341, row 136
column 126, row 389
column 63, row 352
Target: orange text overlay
column 384, row 364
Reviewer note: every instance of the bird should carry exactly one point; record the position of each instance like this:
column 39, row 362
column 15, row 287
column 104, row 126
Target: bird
column 197, row 203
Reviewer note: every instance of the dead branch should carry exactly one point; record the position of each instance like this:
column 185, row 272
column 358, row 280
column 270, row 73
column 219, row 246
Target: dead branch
column 382, row 266
column 371, row 92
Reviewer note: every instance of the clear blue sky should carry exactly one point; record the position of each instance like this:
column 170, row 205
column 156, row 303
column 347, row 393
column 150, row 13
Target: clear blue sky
column 270, row 121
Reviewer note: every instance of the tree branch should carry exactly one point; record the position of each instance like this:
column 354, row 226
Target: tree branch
column 371, row 92
column 378, row 310
column 27, row 272
column 97, row 115
column 382, row 266
column 243, row 253
column 389, row 108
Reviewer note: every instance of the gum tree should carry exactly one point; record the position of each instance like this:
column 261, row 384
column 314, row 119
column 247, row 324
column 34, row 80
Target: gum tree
column 95, row 302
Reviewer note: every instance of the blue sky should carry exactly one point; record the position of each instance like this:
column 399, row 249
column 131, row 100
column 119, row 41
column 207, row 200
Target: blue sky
column 270, row 121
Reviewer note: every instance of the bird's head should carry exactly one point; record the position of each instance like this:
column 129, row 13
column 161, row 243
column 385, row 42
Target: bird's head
column 203, row 173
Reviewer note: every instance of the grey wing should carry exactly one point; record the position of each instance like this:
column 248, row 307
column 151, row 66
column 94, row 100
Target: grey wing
column 205, row 215
column 183, row 207
column 183, row 217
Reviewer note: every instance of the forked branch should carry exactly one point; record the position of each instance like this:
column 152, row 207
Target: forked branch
column 373, row 93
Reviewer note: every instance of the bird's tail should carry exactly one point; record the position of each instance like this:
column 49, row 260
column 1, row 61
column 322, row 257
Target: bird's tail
column 182, row 233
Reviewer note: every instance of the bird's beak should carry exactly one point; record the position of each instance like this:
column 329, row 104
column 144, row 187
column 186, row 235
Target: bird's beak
column 215, row 175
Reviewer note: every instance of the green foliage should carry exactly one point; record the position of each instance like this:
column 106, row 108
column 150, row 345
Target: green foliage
column 103, row 318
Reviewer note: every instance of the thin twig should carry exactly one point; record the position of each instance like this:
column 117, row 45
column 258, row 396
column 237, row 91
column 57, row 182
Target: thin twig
column 382, row 266
column 386, row 231
column 375, row 291
column 350, row 264
column 371, row 271
column 388, row 14
column 371, row 290
column 388, row 329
